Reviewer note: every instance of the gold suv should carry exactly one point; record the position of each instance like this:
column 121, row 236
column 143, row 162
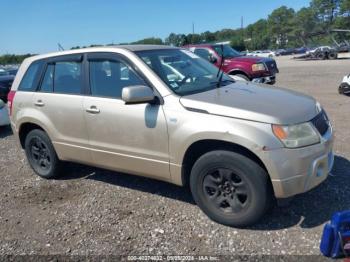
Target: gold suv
column 165, row 113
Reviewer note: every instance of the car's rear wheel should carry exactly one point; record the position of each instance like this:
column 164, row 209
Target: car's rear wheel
column 230, row 188
column 41, row 154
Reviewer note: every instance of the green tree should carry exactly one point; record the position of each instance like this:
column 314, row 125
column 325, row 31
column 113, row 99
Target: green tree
column 281, row 24
column 326, row 12
column 150, row 41
column 257, row 35
column 305, row 25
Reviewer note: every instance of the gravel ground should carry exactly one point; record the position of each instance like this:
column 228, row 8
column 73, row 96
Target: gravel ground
column 91, row 211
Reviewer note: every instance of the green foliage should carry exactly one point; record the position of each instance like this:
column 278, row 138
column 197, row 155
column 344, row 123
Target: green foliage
column 13, row 59
column 281, row 24
column 149, row 41
column 283, row 28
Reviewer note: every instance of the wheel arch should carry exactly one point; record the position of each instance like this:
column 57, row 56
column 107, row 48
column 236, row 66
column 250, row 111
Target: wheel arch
column 237, row 71
column 24, row 130
column 199, row 148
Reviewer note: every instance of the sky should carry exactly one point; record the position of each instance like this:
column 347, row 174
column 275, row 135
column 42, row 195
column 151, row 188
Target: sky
column 36, row 26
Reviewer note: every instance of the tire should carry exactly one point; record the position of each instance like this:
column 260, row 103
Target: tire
column 321, row 56
column 344, row 89
column 239, row 186
column 41, row 154
column 242, row 76
column 332, row 55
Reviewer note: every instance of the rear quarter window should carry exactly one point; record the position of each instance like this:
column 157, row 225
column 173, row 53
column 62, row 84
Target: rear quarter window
column 30, row 80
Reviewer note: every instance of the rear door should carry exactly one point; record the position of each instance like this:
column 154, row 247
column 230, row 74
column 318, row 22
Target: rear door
column 59, row 105
column 131, row 138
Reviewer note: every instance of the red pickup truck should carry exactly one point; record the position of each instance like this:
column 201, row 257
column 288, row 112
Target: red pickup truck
column 256, row 69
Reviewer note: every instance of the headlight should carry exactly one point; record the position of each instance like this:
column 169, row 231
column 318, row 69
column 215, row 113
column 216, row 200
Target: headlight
column 258, row 67
column 296, row 135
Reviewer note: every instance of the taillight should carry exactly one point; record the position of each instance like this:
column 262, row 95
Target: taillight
column 10, row 98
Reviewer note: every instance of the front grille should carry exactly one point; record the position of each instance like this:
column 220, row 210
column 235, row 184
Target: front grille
column 272, row 66
column 321, row 123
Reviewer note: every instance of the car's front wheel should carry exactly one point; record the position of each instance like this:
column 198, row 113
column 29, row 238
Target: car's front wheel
column 41, row 154
column 242, row 76
column 230, row 188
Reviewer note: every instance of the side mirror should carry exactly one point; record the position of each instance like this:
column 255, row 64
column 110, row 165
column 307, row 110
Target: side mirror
column 212, row 59
column 2, row 104
column 137, row 94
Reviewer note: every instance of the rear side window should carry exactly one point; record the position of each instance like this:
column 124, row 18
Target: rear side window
column 29, row 81
column 47, row 83
column 67, row 78
column 62, row 77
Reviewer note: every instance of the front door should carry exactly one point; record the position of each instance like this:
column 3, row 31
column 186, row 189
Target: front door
column 130, row 138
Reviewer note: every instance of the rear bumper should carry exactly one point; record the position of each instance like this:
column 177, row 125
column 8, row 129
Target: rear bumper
column 295, row 171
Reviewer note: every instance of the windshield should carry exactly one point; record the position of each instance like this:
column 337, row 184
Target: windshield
column 184, row 72
column 229, row 52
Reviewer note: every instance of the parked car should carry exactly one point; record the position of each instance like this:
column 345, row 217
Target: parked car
column 283, row 52
column 266, row 53
column 344, row 87
column 5, row 86
column 256, row 69
column 3, row 72
column 236, row 144
column 301, row 50
column 12, row 71
column 4, row 116
column 322, row 53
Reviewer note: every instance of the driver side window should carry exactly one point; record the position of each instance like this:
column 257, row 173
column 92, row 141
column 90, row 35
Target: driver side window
column 109, row 77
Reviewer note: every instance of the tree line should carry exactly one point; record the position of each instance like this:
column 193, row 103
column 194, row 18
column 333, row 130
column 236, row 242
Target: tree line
column 283, row 28
column 13, row 59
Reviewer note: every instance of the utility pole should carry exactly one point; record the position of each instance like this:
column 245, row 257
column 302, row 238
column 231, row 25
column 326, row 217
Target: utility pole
column 193, row 28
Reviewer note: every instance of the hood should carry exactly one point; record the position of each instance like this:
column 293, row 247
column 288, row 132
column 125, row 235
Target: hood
column 254, row 102
column 249, row 59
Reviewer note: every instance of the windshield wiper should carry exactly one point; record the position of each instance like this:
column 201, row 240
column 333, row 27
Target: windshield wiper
column 221, row 64
column 222, row 81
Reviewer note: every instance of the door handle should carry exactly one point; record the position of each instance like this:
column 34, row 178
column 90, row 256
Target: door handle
column 93, row 110
column 39, row 103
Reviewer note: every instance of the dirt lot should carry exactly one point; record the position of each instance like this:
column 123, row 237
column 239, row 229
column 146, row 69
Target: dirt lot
column 93, row 211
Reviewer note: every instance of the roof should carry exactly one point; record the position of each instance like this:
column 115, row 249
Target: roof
column 135, row 48
column 132, row 48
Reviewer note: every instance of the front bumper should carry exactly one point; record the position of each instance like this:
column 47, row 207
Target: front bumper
column 295, row 171
column 265, row 80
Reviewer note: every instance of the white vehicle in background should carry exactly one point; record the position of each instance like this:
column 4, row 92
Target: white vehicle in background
column 4, row 115
column 265, row 53
column 344, row 87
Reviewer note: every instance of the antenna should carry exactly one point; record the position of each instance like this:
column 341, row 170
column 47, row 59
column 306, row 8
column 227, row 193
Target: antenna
column 60, row 47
